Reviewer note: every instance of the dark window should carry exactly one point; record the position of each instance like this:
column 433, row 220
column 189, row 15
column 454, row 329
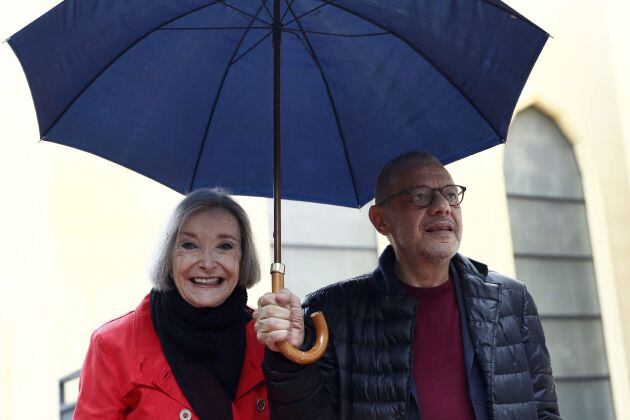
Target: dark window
column 66, row 404
column 553, row 258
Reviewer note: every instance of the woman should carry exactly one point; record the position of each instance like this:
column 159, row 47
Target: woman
column 189, row 350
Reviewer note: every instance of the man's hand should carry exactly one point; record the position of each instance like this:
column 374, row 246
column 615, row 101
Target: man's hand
column 279, row 318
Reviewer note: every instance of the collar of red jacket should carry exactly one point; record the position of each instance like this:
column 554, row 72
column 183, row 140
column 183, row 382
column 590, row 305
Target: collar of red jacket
column 150, row 368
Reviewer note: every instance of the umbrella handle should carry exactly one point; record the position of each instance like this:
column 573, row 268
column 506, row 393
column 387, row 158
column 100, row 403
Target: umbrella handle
column 321, row 331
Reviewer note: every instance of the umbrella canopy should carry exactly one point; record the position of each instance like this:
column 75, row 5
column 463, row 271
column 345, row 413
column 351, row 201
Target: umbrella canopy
column 181, row 90
column 189, row 93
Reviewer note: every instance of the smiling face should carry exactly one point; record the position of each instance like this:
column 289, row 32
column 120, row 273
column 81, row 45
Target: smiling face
column 206, row 257
column 432, row 233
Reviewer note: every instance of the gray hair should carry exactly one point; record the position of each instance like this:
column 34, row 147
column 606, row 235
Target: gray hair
column 386, row 176
column 206, row 199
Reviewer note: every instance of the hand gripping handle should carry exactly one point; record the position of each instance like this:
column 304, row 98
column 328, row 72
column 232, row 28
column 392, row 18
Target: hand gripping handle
column 321, row 329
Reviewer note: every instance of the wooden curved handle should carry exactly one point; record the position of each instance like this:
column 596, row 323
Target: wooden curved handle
column 316, row 352
column 321, row 332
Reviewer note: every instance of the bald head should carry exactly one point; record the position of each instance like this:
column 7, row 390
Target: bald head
column 395, row 167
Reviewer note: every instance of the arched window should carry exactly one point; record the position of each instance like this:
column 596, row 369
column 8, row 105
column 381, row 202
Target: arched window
column 323, row 244
column 552, row 253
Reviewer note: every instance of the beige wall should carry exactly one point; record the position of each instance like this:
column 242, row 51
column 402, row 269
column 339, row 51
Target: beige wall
column 79, row 232
column 579, row 84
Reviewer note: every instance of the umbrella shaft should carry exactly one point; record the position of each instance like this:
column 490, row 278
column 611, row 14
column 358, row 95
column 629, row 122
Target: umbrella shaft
column 277, row 193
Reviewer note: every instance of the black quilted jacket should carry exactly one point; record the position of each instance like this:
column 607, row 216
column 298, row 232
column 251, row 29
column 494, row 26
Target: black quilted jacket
column 367, row 369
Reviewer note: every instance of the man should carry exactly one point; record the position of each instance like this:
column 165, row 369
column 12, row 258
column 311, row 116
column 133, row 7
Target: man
column 429, row 334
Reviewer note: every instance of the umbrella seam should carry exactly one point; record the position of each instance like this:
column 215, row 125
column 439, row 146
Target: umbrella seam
column 264, row 3
column 210, row 28
column 229, row 6
column 332, row 103
column 438, row 69
column 339, row 35
column 112, row 61
column 293, row 32
column 216, row 100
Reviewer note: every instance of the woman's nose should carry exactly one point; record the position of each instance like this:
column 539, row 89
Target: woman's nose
column 207, row 259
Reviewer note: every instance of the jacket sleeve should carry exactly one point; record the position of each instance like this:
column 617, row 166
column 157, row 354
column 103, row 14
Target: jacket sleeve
column 100, row 391
column 539, row 361
column 307, row 392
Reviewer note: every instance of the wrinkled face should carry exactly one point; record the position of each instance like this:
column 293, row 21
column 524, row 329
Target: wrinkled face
column 206, row 257
column 432, row 233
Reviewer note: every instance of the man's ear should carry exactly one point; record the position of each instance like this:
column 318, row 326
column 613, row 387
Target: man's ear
column 378, row 220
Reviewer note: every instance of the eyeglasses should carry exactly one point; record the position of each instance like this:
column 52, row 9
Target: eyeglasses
column 422, row 196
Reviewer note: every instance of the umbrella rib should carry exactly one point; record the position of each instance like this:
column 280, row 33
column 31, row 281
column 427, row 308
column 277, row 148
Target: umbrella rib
column 251, row 48
column 113, row 60
column 331, row 99
column 243, row 12
column 337, row 34
column 216, row 100
column 308, row 12
column 209, row 28
column 286, row 11
column 438, row 69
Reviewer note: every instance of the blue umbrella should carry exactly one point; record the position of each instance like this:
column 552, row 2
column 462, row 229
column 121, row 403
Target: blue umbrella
column 188, row 92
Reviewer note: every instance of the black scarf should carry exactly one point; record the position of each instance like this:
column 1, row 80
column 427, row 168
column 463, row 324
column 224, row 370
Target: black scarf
column 205, row 348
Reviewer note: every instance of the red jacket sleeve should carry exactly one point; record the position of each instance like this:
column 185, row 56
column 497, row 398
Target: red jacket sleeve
column 101, row 394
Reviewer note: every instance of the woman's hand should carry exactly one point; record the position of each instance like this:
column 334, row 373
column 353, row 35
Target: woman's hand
column 279, row 317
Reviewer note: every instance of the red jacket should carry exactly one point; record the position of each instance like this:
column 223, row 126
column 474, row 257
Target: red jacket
column 126, row 376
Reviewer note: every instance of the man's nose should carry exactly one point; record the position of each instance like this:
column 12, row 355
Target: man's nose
column 439, row 204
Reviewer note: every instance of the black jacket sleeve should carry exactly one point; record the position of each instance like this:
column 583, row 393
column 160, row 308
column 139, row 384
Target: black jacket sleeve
column 303, row 392
column 539, row 361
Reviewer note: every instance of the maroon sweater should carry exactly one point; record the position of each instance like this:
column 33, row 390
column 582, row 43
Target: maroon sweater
column 438, row 355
